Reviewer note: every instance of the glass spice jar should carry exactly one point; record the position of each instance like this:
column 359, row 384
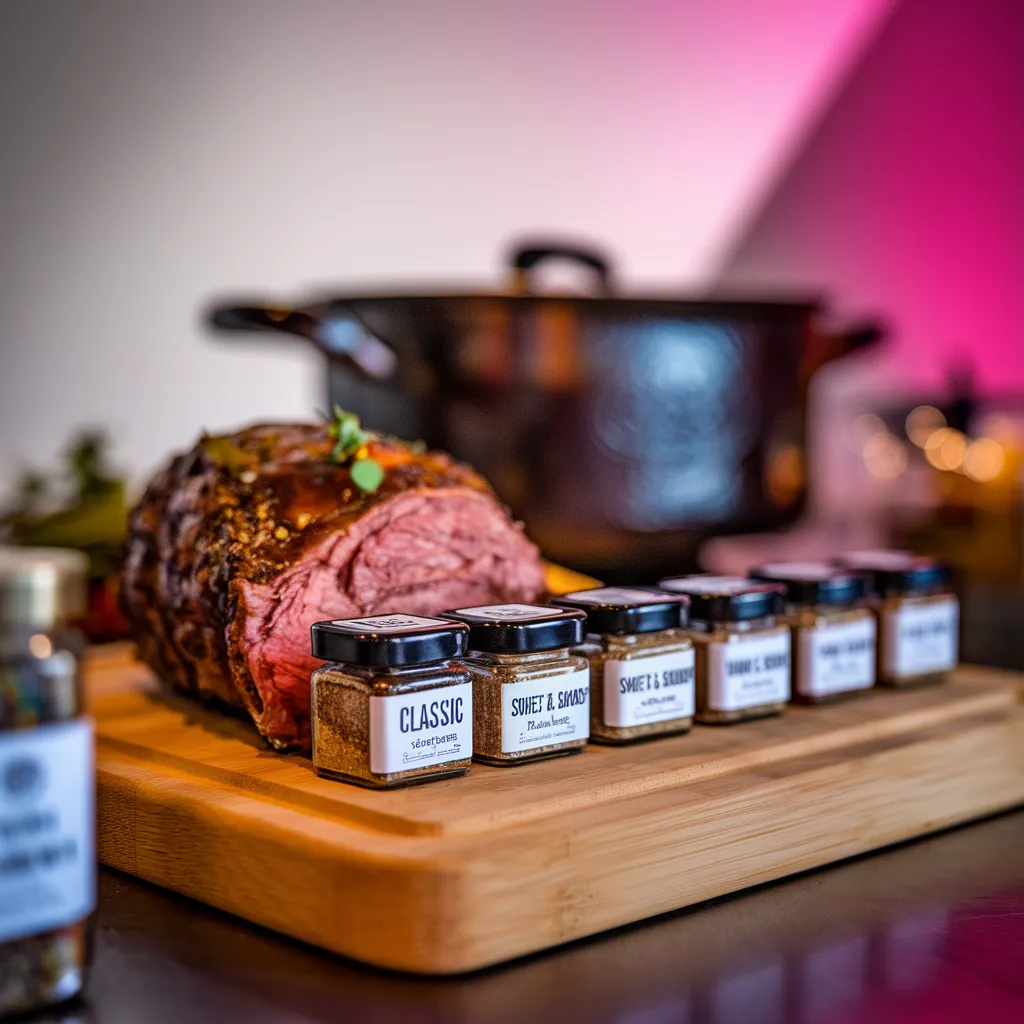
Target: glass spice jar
column 833, row 630
column 742, row 652
column 391, row 707
column 641, row 662
column 918, row 615
column 47, row 825
column 531, row 696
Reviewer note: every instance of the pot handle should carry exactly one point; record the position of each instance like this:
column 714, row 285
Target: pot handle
column 340, row 338
column 263, row 318
column 824, row 346
column 855, row 338
column 529, row 255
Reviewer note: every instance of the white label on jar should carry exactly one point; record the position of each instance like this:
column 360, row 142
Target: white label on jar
column 414, row 730
column 47, row 860
column 541, row 712
column 836, row 658
column 640, row 691
column 921, row 638
column 748, row 672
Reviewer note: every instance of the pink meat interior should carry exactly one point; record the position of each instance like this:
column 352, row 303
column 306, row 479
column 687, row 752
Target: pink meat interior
column 420, row 553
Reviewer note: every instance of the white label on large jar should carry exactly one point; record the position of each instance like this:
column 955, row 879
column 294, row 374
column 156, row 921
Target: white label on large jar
column 414, row 730
column 921, row 638
column 47, row 863
column 836, row 658
column 641, row 691
column 748, row 672
column 542, row 712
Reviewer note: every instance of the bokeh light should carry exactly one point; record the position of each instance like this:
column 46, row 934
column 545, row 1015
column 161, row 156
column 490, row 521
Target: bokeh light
column 862, row 429
column 885, row 456
column 984, row 459
column 923, row 422
column 945, row 448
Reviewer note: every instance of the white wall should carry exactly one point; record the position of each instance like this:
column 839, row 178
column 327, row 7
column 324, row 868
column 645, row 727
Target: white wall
column 155, row 154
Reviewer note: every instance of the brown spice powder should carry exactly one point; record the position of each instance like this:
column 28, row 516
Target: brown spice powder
column 812, row 618
column 493, row 672
column 627, row 648
column 712, row 716
column 894, row 604
column 42, row 969
column 341, row 720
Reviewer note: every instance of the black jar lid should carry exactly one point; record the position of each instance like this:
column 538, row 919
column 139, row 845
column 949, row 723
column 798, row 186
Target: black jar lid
column 814, row 582
column 520, row 628
column 621, row 610
column 382, row 640
column 898, row 572
column 726, row 598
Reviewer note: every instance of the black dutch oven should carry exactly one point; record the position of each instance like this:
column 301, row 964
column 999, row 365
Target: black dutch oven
column 622, row 431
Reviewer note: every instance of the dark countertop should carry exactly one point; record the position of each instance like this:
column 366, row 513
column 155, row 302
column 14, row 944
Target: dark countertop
column 931, row 931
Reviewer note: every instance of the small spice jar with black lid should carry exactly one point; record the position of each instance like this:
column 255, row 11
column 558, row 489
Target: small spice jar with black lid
column 531, row 696
column 833, row 630
column 641, row 662
column 918, row 615
column 391, row 707
column 742, row 651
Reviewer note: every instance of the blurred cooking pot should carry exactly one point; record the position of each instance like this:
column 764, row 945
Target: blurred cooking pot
column 623, row 431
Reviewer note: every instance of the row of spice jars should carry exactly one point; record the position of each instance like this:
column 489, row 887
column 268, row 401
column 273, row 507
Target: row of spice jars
column 885, row 616
column 407, row 699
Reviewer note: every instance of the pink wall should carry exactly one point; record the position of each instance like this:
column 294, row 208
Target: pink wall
column 908, row 196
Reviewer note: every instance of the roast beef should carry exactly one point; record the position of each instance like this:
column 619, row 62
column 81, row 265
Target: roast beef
column 239, row 545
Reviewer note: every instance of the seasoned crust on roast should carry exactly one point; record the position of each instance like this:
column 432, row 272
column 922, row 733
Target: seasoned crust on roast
column 243, row 525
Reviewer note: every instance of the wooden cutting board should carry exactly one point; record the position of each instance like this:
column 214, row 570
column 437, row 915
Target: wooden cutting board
column 457, row 875
column 461, row 874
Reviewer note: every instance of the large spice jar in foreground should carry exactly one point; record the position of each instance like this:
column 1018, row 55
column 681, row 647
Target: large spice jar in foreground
column 47, row 861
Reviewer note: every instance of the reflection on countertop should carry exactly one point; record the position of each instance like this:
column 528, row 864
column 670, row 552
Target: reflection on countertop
column 931, row 931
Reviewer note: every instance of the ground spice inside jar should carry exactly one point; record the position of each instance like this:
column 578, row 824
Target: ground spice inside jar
column 833, row 631
column 391, row 707
column 918, row 615
column 531, row 696
column 742, row 652
column 641, row 662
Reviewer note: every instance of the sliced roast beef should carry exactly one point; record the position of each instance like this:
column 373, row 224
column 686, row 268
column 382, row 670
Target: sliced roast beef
column 239, row 545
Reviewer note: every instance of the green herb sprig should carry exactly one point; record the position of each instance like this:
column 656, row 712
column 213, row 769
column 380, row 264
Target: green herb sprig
column 349, row 437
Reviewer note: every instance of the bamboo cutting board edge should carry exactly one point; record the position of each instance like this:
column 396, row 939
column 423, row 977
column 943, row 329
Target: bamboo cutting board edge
column 447, row 902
